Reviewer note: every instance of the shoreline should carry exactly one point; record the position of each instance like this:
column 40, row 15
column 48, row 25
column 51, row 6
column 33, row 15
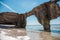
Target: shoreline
column 18, row 34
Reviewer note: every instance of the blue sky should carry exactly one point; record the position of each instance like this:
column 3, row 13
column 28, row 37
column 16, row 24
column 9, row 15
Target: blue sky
column 22, row 6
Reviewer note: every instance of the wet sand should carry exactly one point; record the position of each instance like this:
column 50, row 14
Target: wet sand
column 22, row 34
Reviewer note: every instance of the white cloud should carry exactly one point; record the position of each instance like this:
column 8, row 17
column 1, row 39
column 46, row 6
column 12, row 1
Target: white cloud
column 7, row 6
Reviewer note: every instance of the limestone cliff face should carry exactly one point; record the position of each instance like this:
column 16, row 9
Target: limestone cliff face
column 46, row 12
column 13, row 18
column 49, row 10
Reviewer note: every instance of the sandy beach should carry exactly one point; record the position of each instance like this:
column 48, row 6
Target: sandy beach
column 22, row 34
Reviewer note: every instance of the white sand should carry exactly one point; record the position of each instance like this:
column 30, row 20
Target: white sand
column 22, row 34
column 3, row 36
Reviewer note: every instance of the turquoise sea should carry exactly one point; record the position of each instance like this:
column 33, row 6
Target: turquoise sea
column 54, row 28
